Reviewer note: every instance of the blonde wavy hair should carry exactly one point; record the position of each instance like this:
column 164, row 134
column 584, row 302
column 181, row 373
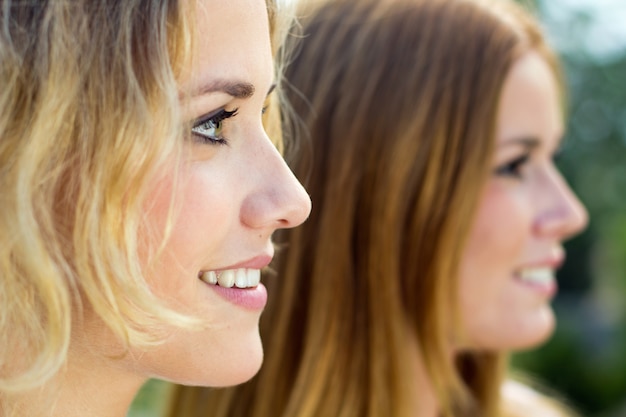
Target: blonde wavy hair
column 89, row 118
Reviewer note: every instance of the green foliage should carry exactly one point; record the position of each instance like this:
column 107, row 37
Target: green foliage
column 151, row 400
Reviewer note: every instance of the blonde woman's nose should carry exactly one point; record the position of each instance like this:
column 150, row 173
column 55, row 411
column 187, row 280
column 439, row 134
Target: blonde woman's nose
column 279, row 201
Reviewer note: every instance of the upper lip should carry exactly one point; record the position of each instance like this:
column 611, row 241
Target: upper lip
column 257, row 262
column 554, row 261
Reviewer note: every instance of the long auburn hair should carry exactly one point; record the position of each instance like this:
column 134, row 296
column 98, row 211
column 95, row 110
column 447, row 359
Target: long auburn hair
column 395, row 106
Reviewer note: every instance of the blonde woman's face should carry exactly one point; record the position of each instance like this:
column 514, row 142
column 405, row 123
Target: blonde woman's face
column 234, row 190
column 525, row 212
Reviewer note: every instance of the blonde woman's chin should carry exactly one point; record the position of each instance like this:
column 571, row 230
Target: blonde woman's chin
column 217, row 365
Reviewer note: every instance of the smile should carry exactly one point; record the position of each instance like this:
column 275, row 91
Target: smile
column 538, row 276
column 240, row 278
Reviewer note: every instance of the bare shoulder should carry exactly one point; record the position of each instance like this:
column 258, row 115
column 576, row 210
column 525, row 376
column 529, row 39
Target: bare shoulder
column 521, row 400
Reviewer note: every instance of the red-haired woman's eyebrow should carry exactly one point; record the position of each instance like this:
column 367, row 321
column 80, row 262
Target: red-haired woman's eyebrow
column 526, row 142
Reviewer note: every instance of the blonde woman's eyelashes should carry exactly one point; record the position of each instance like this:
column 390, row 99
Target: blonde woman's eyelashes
column 208, row 129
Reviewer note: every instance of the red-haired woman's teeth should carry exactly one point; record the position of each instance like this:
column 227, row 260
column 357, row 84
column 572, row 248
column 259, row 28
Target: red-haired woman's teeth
column 536, row 275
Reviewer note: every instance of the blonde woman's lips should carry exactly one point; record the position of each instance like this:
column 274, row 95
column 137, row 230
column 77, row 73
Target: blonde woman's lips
column 240, row 283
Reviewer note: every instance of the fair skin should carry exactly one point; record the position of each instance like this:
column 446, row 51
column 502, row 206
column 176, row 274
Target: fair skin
column 233, row 191
column 525, row 213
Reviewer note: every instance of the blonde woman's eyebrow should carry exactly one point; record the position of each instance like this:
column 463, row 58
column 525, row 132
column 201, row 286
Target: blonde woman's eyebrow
column 235, row 89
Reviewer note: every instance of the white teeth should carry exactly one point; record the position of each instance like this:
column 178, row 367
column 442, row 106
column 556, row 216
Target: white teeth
column 210, row 277
column 254, row 277
column 226, row 278
column 537, row 275
column 240, row 278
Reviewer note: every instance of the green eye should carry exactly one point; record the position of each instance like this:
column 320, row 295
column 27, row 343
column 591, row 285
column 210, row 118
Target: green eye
column 210, row 128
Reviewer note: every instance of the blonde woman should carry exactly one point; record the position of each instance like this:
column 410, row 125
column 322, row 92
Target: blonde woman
column 139, row 193
column 429, row 129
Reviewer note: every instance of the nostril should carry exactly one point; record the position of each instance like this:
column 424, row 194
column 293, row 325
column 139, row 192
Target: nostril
column 297, row 214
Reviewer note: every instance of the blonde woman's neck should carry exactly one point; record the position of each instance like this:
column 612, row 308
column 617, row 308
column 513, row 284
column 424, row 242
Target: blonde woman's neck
column 85, row 387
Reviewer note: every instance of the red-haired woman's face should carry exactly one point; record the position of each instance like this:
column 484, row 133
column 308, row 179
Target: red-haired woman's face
column 525, row 212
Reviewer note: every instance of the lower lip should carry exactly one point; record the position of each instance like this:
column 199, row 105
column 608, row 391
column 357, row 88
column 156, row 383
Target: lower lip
column 548, row 289
column 249, row 298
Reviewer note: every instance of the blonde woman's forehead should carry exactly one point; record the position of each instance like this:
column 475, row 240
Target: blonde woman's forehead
column 232, row 42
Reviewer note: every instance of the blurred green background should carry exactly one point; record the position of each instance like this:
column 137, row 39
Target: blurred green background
column 586, row 359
